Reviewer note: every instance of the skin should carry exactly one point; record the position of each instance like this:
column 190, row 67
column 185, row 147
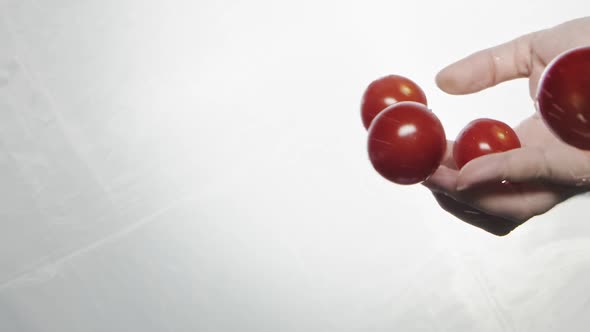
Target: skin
column 541, row 174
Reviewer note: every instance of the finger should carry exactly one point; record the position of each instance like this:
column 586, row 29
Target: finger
column 488, row 67
column 444, row 180
column 492, row 224
column 511, row 201
column 528, row 164
column 515, row 202
column 534, row 78
column 448, row 160
column 519, row 165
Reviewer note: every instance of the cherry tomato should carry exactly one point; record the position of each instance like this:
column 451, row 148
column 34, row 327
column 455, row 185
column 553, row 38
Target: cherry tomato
column 563, row 97
column 406, row 143
column 387, row 91
column 481, row 137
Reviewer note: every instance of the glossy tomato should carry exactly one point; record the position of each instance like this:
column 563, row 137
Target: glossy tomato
column 563, row 97
column 406, row 143
column 481, row 137
column 387, row 91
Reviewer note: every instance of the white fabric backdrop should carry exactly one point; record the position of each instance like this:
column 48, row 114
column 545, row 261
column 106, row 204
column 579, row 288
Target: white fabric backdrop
column 201, row 166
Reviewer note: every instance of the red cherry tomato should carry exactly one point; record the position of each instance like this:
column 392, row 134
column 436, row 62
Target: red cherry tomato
column 387, row 91
column 406, row 143
column 481, row 137
column 563, row 97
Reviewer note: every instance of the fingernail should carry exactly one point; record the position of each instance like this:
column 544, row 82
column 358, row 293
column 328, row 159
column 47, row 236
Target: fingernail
column 463, row 186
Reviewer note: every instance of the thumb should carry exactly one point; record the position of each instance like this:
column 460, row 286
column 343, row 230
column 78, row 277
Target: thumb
column 527, row 164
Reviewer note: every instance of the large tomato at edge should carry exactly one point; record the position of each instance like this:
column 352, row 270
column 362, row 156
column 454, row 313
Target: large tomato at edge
column 563, row 97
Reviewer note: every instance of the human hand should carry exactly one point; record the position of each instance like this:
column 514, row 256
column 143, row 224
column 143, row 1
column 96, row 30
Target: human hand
column 541, row 174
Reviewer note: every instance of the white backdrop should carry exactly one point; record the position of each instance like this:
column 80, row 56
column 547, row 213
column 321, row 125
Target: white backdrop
column 201, row 166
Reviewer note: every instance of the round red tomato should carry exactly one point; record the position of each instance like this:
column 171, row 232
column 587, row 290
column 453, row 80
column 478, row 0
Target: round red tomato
column 406, row 143
column 563, row 97
column 481, row 137
column 387, row 91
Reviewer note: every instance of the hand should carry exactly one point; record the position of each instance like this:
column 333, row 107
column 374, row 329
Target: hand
column 499, row 192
